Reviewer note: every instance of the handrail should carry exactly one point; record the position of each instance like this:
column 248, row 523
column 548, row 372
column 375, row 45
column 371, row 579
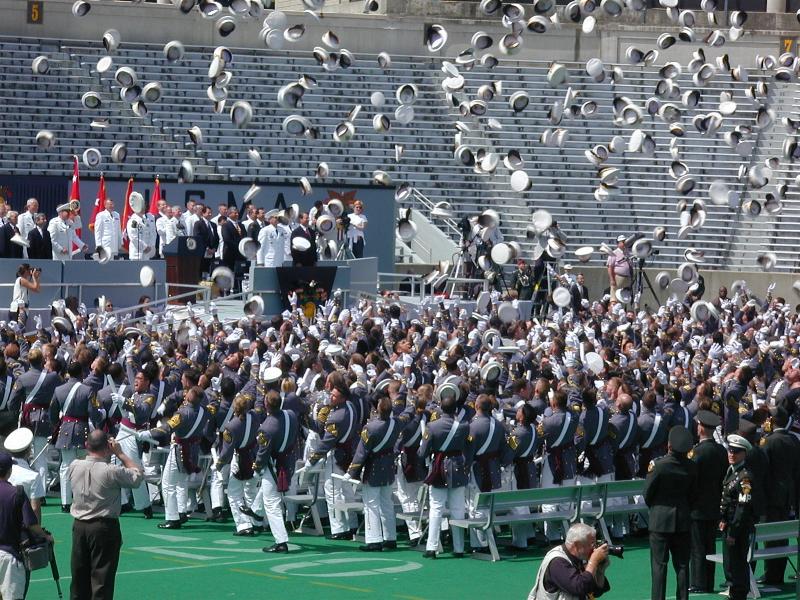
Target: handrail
column 416, row 280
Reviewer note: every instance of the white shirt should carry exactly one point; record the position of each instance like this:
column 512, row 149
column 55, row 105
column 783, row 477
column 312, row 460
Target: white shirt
column 285, row 232
column 26, row 223
column 142, row 235
column 20, row 297
column 189, row 219
column 357, row 225
column 108, row 232
column 22, row 474
column 63, row 235
column 270, row 252
column 218, row 227
column 167, row 229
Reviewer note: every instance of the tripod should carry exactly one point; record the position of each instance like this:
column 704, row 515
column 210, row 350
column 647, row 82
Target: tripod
column 543, row 288
column 345, row 252
column 460, row 266
column 639, row 279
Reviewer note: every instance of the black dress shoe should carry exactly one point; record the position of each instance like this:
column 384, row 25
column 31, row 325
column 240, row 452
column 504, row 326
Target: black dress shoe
column 125, row 508
column 148, row 512
column 458, row 555
column 183, row 517
column 390, row 545
column 170, row 525
column 415, row 542
column 258, row 529
column 376, row 547
column 65, row 508
column 764, row 581
column 345, row 535
column 518, row 548
column 277, row 548
column 244, row 533
column 246, row 510
column 696, row 590
column 429, row 554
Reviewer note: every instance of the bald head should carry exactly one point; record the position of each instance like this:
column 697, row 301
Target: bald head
column 624, row 401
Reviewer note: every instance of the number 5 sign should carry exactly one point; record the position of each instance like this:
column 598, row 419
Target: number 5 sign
column 36, row 11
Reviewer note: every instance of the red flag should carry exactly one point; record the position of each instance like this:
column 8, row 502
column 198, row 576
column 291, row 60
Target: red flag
column 99, row 202
column 155, row 199
column 126, row 213
column 75, row 194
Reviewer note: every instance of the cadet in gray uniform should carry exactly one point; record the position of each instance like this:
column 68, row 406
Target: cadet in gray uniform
column 488, row 442
column 653, row 431
column 115, row 384
column 338, row 425
column 624, row 434
column 524, row 443
column 72, row 406
column 374, row 464
column 277, row 440
column 560, row 460
column 239, row 450
column 8, row 417
column 31, row 395
column 187, row 425
column 135, row 409
column 592, row 440
column 447, row 441
column 412, row 469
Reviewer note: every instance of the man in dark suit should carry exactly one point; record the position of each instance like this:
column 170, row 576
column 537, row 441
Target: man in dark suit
column 304, row 258
column 41, row 247
column 669, row 492
column 206, row 232
column 232, row 234
column 712, row 463
column 783, row 456
column 255, row 227
column 579, row 293
column 9, row 249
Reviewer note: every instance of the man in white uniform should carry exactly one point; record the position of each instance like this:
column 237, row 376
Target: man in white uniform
column 107, row 230
column 270, row 252
column 142, row 235
column 27, row 221
column 63, row 235
column 166, row 226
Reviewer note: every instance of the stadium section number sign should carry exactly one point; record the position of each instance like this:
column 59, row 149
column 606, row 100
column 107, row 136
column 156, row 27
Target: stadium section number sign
column 788, row 44
column 36, row 12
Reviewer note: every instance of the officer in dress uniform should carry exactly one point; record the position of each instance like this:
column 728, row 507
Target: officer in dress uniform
column 412, row 469
column 490, row 451
column 63, row 234
column 337, row 425
column 525, row 444
column 737, row 521
column 183, row 432
column 712, row 462
column 107, row 230
column 72, row 406
column 135, row 407
column 447, row 441
column 239, row 451
column 141, row 230
column 783, row 476
column 275, row 460
column 560, row 459
column 669, row 492
column 374, row 464
column 270, row 250
column 31, row 395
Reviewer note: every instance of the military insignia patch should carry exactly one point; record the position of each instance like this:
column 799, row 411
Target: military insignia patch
column 762, row 442
column 434, row 416
column 226, row 435
column 262, row 439
column 322, row 415
column 331, row 428
column 576, row 408
column 651, row 466
column 580, row 431
column 470, row 438
column 540, row 429
column 174, row 421
column 513, row 442
column 746, row 486
column 365, row 435
column 212, row 409
column 716, row 408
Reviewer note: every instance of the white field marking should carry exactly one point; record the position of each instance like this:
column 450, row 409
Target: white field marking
column 226, row 542
column 179, row 568
column 170, row 538
column 288, row 568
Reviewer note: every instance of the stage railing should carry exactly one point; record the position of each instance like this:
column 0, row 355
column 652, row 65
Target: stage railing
column 393, row 282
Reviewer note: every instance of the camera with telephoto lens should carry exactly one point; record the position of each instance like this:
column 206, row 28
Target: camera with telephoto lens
column 612, row 549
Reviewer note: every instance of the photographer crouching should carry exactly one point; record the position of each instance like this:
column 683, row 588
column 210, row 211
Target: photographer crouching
column 574, row 570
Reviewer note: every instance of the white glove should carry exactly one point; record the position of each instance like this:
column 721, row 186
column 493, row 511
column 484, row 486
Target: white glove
column 557, row 370
column 190, row 310
column 144, row 436
column 428, row 331
column 442, row 336
column 412, row 379
column 662, row 377
column 215, row 383
column 148, row 319
column 771, row 287
column 37, row 319
column 160, row 410
column 293, row 299
column 254, row 358
column 118, row 399
column 82, row 310
column 102, row 412
column 212, row 308
column 169, row 318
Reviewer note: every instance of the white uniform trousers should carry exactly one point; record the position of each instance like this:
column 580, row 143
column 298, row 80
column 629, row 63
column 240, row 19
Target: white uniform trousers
column 40, row 464
column 174, row 487
column 477, row 539
column 272, row 506
column 521, row 532
column 241, row 492
column 129, row 446
column 338, row 491
column 552, row 530
column 219, row 479
column 408, row 495
column 67, row 456
column 453, row 500
column 380, row 522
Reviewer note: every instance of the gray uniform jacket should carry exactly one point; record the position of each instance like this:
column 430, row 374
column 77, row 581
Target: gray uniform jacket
column 239, row 438
column 559, row 443
column 373, row 462
column 277, row 443
column 338, row 427
column 525, row 444
column 488, row 442
column 188, row 424
column 593, row 441
column 35, row 410
column 448, row 442
column 71, row 423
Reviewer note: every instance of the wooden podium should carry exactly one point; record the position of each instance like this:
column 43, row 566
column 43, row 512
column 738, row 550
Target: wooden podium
column 184, row 256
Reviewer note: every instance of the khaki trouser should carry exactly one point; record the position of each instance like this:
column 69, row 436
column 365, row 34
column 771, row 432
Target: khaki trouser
column 622, row 282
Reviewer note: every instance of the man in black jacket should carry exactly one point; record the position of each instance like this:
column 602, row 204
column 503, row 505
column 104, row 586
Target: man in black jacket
column 305, row 258
column 670, row 491
column 232, row 234
column 9, row 249
column 783, row 454
column 712, row 463
column 41, row 247
column 206, row 232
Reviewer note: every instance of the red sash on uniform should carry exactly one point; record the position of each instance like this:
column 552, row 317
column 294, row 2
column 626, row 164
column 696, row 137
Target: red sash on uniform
column 436, row 476
column 185, row 445
column 245, row 462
